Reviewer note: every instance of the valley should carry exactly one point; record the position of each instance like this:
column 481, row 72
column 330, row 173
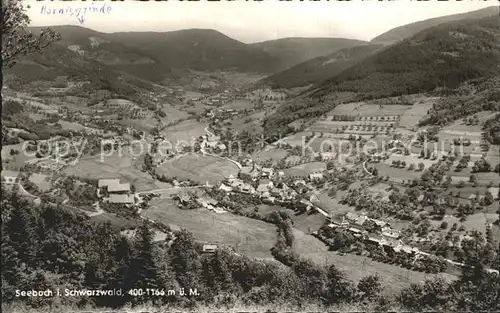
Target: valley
column 243, row 168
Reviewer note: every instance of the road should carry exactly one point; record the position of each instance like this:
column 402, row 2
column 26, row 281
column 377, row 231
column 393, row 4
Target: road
column 168, row 189
column 204, row 152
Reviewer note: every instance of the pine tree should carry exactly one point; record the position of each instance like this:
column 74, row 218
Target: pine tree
column 185, row 260
column 143, row 261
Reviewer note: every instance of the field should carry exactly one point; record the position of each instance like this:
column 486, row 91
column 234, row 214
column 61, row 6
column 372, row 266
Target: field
column 394, row 277
column 396, row 174
column 332, row 205
column 198, row 168
column 144, row 124
column 184, row 131
column 476, row 221
column 412, row 116
column 366, row 109
column 248, row 236
column 40, row 181
column 273, row 153
column 305, row 169
column 124, row 167
column 117, row 222
column 251, row 123
column 18, row 160
column 304, row 222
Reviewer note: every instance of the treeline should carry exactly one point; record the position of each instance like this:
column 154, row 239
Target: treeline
column 492, row 129
column 476, row 96
column 48, row 247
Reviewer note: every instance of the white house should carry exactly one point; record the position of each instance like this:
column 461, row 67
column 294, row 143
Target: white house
column 316, row 176
column 225, row 188
column 209, row 248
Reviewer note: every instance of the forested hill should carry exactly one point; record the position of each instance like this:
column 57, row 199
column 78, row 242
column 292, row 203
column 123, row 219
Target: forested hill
column 409, row 30
column 318, row 69
column 440, row 57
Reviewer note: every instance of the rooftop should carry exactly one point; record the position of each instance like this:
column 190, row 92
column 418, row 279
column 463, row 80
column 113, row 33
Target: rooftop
column 118, row 187
column 107, row 182
column 114, row 198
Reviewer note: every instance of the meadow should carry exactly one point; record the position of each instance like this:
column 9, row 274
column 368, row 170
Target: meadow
column 356, row 267
column 248, row 236
column 125, row 167
column 198, row 168
column 184, row 131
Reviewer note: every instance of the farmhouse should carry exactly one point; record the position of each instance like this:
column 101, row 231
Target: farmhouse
column 312, row 196
column 119, row 188
column 351, row 216
column 247, row 172
column 209, row 248
column 267, row 172
column 361, row 220
column 225, row 187
column 207, row 203
column 316, row 176
column 263, row 187
column 389, row 232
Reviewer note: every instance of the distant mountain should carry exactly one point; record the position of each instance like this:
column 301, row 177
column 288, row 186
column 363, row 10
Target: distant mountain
column 155, row 56
column 318, row 69
column 409, row 30
column 292, row 51
column 440, row 57
column 199, row 49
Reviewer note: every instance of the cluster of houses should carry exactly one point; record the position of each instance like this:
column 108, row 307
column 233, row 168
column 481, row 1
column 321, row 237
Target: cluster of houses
column 386, row 237
column 217, row 99
column 251, row 171
column 364, row 222
column 112, row 191
column 213, row 142
column 220, row 113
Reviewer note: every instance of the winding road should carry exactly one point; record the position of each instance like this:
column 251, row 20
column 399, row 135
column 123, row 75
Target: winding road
column 204, row 152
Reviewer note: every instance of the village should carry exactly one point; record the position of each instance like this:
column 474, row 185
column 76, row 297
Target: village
column 361, row 198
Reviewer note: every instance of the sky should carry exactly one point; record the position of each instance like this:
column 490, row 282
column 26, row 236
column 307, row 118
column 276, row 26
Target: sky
column 250, row 21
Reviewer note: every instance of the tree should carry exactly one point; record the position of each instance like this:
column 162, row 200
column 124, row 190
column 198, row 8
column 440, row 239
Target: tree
column 473, row 179
column 421, row 166
column 444, row 225
column 16, row 40
column 143, row 270
column 332, row 193
column 370, row 286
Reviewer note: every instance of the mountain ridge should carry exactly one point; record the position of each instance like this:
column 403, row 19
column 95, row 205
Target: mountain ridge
column 408, row 30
